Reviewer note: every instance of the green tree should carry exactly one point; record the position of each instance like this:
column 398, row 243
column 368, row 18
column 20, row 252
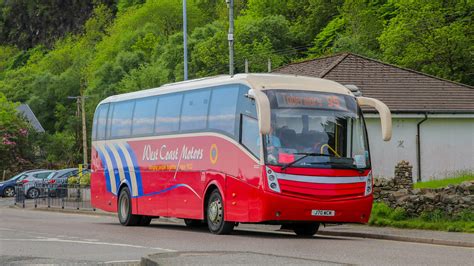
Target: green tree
column 15, row 151
column 27, row 23
column 355, row 29
column 435, row 37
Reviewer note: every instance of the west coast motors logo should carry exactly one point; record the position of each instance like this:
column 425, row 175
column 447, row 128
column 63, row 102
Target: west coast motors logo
column 166, row 154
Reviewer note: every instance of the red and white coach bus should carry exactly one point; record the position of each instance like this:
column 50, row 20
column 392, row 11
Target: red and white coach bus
column 251, row 148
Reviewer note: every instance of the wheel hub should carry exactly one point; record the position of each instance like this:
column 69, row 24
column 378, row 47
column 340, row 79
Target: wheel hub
column 9, row 192
column 33, row 193
column 124, row 208
column 214, row 212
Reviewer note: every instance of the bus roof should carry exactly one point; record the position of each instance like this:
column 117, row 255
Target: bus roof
column 254, row 81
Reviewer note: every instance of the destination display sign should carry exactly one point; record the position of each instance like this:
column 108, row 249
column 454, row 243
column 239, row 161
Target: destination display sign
column 311, row 100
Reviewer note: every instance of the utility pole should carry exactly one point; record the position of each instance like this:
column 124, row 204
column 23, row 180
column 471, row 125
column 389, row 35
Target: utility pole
column 80, row 100
column 230, row 36
column 269, row 65
column 84, row 130
column 185, row 41
column 246, row 65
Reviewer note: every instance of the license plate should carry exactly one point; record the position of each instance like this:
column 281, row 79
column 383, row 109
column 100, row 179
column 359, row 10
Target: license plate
column 323, row 212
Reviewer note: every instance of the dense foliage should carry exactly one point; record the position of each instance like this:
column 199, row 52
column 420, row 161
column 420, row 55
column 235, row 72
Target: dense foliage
column 98, row 48
column 14, row 138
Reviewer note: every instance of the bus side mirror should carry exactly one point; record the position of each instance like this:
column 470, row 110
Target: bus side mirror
column 263, row 109
column 385, row 115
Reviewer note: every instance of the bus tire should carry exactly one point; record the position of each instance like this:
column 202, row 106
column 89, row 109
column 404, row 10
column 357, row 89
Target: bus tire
column 306, row 230
column 124, row 207
column 215, row 215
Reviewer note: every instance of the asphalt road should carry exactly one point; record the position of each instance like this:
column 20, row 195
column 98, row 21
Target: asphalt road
column 39, row 237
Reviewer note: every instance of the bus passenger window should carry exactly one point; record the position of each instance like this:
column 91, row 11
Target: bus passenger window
column 167, row 114
column 250, row 137
column 101, row 121
column 195, row 107
column 121, row 125
column 144, row 116
column 222, row 109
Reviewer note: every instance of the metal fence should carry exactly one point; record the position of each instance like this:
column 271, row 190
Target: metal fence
column 53, row 196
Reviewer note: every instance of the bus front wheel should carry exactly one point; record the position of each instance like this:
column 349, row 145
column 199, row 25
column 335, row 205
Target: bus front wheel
column 125, row 209
column 215, row 215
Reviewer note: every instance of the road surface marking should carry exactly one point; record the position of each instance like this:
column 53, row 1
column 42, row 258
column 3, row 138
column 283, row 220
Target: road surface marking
column 121, row 261
column 86, row 242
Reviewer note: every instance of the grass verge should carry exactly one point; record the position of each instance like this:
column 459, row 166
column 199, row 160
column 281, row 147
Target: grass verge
column 445, row 182
column 382, row 215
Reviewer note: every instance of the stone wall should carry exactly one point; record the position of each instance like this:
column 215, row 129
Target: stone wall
column 399, row 192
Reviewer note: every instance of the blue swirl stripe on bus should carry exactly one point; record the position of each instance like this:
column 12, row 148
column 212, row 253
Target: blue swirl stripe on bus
column 115, row 166
column 106, row 170
column 136, row 167
column 171, row 188
column 125, row 168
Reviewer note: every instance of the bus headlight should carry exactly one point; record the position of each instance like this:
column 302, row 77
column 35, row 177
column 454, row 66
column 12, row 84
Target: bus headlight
column 368, row 184
column 272, row 180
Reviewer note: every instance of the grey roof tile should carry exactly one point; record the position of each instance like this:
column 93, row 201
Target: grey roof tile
column 403, row 90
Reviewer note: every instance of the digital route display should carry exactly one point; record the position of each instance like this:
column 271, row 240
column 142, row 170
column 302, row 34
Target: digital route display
column 311, row 100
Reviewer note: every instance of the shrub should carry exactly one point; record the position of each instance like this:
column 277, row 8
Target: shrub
column 381, row 210
column 85, row 180
column 433, row 216
column 398, row 214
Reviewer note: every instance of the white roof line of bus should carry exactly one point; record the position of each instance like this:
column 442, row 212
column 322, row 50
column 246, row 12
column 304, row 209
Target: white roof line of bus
column 255, row 81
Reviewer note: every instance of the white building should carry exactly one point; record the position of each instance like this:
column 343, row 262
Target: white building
column 433, row 118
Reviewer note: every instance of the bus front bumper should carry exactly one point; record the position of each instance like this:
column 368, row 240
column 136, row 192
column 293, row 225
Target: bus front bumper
column 281, row 208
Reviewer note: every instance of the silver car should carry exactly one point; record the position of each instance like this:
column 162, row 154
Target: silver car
column 32, row 183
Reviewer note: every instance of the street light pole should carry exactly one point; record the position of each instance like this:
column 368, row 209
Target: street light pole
column 185, row 41
column 230, row 36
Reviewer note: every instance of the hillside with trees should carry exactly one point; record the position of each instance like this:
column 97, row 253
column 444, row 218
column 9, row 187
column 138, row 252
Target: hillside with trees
column 50, row 50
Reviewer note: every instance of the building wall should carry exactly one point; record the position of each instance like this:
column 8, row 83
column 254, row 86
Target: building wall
column 447, row 146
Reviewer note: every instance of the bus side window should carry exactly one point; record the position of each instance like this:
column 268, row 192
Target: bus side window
column 167, row 113
column 94, row 124
column 222, row 109
column 101, row 121
column 246, row 105
column 144, row 116
column 250, row 135
column 195, row 106
column 122, row 119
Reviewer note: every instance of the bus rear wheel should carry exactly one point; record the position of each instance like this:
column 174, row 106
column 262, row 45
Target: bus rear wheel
column 125, row 215
column 215, row 215
column 306, row 230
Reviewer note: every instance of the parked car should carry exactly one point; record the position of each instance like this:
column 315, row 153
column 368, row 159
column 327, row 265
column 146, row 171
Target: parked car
column 7, row 187
column 58, row 181
column 61, row 176
column 34, row 183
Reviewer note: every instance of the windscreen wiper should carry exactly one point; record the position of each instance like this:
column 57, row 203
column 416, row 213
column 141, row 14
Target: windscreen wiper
column 345, row 166
column 305, row 154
